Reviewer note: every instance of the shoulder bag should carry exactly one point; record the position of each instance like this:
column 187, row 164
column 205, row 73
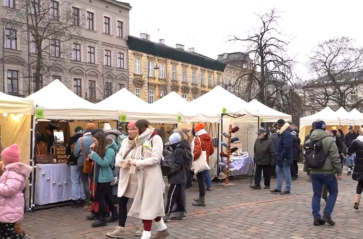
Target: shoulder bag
column 200, row 164
column 87, row 167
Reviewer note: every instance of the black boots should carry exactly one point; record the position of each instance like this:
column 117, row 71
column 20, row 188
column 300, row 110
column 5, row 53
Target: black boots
column 93, row 216
column 114, row 216
column 328, row 220
column 318, row 222
column 74, row 204
column 101, row 222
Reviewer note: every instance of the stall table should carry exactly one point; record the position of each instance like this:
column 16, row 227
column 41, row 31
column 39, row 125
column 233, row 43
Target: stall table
column 243, row 164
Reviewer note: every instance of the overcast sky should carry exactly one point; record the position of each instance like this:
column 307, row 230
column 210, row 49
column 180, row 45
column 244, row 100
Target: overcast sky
column 207, row 25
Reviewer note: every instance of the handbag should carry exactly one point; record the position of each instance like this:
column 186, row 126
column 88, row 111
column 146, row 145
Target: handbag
column 200, row 164
column 87, row 167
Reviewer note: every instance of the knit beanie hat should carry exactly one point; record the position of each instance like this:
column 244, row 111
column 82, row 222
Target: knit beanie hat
column 78, row 129
column 174, row 138
column 320, row 124
column 11, row 154
column 199, row 127
column 281, row 122
column 132, row 125
column 95, row 131
column 90, row 126
column 106, row 126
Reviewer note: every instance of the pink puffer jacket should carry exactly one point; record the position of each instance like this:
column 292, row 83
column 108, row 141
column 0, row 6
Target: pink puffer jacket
column 12, row 183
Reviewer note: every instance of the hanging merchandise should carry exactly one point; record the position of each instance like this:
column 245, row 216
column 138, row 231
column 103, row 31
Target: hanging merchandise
column 225, row 144
column 234, row 140
column 225, row 134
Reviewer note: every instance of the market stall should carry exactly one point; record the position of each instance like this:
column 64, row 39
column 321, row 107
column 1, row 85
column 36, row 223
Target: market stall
column 268, row 114
column 58, row 111
column 15, row 125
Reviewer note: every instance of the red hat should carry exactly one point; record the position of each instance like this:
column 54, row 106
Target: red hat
column 198, row 127
column 11, row 154
column 132, row 125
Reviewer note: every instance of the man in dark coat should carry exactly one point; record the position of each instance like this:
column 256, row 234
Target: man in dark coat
column 264, row 158
column 273, row 138
column 296, row 150
column 177, row 179
column 283, row 156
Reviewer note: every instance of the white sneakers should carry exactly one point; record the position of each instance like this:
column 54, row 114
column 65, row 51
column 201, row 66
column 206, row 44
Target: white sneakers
column 117, row 233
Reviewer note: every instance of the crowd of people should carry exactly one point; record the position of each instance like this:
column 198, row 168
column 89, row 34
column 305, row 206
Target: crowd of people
column 109, row 167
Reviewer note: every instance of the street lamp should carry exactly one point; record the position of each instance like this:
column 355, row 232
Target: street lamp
column 148, row 79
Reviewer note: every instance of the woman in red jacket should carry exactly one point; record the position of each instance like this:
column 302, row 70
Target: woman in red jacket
column 201, row 142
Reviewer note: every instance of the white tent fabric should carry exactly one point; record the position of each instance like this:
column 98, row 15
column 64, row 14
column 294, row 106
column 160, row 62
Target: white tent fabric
column 166, row 109
column 357, row 116
column 126, row 103
column 344, row 117
column 15, row 105
column 208, row 108
column 59, row 102
column 328, row 115
column 268, row 114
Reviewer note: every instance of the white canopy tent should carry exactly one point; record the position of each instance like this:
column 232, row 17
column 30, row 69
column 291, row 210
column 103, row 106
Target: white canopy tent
column 15, row 105
column 344, row 117
column 59, row 102
column 268, row 114
column 126, row 103
column 357, row 116
column 328, row 115
column 209, row 107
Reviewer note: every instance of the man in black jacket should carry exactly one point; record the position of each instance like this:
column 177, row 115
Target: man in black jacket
column 177, row 179
column 264, row 152
column 295, row 152
column 273, row 138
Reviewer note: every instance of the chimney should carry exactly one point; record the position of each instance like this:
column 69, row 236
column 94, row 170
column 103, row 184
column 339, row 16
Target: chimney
column 191, row 49
column 145, row 36
column 162, row 41
column 179, row 46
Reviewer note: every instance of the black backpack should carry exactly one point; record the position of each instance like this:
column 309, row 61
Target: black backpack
column 314, row 154
column 167, row 164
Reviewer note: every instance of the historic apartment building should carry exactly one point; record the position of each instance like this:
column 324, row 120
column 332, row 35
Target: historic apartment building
column 92, row 61
column 157, row 69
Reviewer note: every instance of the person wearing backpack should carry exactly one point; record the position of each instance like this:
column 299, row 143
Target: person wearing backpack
column 177, row 179
column 357, row 147
column 322, row 157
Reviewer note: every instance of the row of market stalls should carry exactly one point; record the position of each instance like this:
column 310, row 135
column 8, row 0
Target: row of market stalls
column 340, row 119
column 21, row 120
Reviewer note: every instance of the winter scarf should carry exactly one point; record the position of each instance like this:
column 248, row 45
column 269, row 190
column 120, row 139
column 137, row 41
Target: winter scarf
column 143, row 144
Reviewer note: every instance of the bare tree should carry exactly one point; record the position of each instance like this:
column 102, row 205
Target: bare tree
column 267, row 48
column 337, row 68
column 47, row 28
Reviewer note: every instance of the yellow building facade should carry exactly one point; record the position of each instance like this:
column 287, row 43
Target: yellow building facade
column 156, row 69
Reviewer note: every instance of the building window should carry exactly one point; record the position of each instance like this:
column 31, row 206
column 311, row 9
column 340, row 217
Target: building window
column 91, row 54
column 209, row 80
column 13, row 82
column 121, row 86
column 10, row 3
column 151, row 69
column 106, row 25
column 35, row 5
column 55, row 77
column 312, row 112
column 161, row 94
column 161, row 71
column 120, row 60
column 76, row 18
column 55, row 48
column 90, row 20
column 120, row 28
column 194, row 77
column 107, row 59
column 11, row 39
column 202, row 82
column 76, row 52
column 218, row 79
column 108, row 89
column 92, row 89
column 185, row 75
column 137, row 66
column 78, row 86
column 151, row 96
column 353, row 95
column 137, row 92
column 33, row 45
column 185, row 96
column 173, row 73
column 54, row 10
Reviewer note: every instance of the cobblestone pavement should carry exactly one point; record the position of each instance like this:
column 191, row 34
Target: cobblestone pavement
column 232, row 212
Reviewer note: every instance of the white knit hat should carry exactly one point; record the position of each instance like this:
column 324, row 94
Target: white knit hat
column 106, row 126
column 174, row 138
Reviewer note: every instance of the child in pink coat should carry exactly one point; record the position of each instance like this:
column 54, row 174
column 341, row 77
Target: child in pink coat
column 12, row 184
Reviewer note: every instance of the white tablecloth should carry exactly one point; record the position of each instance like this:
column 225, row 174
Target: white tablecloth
column 242, row 164
column 53, row 184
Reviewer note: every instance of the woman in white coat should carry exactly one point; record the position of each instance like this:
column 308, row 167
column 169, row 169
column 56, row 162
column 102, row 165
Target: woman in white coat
column 148, row 203
column 127, row 183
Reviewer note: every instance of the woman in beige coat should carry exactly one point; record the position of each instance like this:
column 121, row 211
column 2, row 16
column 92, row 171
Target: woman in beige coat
column 127, row 185
column 148, row 203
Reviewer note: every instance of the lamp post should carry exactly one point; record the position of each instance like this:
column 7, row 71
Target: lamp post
column 148, row 79
column 11, row 36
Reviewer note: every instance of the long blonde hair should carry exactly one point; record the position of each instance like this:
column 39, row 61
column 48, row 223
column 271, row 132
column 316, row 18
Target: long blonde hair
column 184, row 134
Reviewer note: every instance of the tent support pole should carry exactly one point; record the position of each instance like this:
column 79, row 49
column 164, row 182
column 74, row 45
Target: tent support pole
column 32, row 163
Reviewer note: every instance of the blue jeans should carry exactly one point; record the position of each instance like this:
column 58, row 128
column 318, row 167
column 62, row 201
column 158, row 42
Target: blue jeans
column 77, row 186
column 350, row 161
column 285, row 169
column 207, row 179
column 330, row 182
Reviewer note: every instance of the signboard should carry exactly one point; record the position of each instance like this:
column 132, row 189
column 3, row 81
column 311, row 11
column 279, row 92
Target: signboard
column 123, row 118
column 39, row 113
